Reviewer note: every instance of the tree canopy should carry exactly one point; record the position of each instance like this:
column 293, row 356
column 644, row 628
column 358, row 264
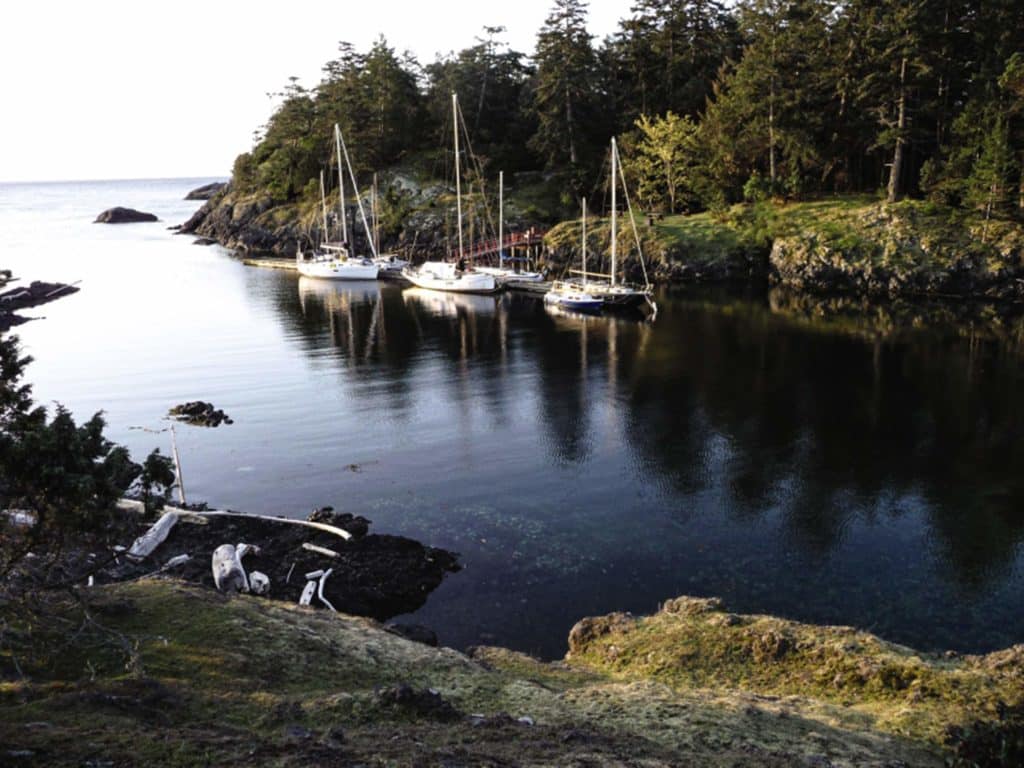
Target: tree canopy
column 778, row 97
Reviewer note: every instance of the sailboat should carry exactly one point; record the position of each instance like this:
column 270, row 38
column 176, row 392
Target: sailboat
column 607, row 287
column 333, row 260
column 443, row 275
column 501, row 272
column 571, row 294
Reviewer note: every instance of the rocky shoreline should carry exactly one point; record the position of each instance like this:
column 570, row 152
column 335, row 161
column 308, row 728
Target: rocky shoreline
column 833, row 247
column 374, row 575
column 35, row 294
column 694, row 684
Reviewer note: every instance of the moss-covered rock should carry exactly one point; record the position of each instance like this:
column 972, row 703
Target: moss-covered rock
column 216, row 678
column 907, row 248
column 837, row 673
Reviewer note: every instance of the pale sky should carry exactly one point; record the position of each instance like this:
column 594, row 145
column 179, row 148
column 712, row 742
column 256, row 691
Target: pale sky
column 110, row 89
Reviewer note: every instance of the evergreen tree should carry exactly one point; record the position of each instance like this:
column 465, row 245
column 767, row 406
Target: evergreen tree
column 563, row 93
column 490, row 80
column 769, row 111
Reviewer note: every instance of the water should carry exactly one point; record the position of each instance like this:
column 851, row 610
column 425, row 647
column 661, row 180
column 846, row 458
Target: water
column 740, row 447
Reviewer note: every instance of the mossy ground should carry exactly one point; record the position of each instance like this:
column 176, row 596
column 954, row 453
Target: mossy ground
column 270, row 684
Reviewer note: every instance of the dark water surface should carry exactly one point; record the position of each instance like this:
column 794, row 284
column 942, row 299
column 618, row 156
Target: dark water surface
column 737, row 447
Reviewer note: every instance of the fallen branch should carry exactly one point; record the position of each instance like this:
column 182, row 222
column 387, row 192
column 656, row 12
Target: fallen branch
column 320, row 590
column 320, row 550
column 143, row 546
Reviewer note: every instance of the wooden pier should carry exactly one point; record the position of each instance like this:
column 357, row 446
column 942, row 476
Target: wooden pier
column 270, row 263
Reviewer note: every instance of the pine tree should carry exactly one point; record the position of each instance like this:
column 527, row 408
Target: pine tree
column 768, row 112
column 563, row 91
column 490, row 80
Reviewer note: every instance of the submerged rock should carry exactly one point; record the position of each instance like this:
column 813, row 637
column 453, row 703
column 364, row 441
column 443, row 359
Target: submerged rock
column 199, row 414
column 119, row 215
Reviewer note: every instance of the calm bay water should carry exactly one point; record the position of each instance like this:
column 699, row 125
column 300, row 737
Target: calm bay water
column 579, row 465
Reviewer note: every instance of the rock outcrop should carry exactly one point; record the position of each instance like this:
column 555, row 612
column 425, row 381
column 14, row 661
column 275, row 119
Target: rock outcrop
column 904, row 249
column 253, row 222
column 119, row 215
column 206, row 191
column 33, row 295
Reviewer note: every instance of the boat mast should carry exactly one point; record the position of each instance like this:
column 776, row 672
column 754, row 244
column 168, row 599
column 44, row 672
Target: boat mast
column 323, row 205
column 501, row 218
column 359, row 198
column 614, row 211
column 376, row 216
column 458, row 179
column 584, row 244
column 341, row 184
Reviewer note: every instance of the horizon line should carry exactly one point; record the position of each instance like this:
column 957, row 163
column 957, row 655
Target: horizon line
column 137, row 178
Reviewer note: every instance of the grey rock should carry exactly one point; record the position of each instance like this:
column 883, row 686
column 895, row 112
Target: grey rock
column 206, row 191
column 120, row 215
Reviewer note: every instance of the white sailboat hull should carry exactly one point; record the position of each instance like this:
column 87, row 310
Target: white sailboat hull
column 348, row 269
column 501, row 274
column 441, row 276
column 389, row 266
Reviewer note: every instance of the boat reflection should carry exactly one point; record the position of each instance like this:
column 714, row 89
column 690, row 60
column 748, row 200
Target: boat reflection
column 337, row 295
column 447, row 304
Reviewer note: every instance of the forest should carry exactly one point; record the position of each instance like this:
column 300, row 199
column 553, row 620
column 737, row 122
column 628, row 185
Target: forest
column 713, row 104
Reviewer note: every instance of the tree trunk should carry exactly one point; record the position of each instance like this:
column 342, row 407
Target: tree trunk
column 771, row 133
column 771, row 119
column 1020, row 185
column 895, row 191
column 569, row 125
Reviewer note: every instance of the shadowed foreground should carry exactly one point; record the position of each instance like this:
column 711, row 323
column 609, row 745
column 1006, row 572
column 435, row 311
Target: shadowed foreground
column 218, row 679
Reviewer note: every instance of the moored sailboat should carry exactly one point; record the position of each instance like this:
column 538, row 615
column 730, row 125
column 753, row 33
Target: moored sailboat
column 613, row 292
column 334, row 260
column 502, row 273
column 571, row 294
column 443, row 275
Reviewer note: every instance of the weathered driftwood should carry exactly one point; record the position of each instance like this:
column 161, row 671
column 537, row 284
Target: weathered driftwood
column 177, row 466
column 228, row 572
column 307, row 593
column 143, row 546
column 286, row 520
column 197, row 516
column 320, row 550
column 320, row 590
column 259, row 583
column 174, row 562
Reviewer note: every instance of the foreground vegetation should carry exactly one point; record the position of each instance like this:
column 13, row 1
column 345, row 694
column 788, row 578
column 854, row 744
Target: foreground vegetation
column 214, row 678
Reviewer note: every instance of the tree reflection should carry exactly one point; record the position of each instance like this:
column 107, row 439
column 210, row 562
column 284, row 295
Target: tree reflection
column 821, row 416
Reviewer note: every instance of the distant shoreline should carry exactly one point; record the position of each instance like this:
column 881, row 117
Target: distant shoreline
column 48, row 182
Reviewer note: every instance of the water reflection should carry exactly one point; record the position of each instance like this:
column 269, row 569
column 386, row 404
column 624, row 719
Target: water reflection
column 821, row 475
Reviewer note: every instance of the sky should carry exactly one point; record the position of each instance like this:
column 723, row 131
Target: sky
column 109, row 89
